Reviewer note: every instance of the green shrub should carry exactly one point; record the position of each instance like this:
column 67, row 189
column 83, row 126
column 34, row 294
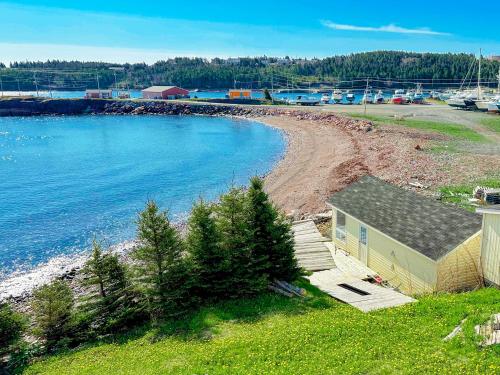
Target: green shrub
column 110, row 303
column 52, row 307
column 12, row 325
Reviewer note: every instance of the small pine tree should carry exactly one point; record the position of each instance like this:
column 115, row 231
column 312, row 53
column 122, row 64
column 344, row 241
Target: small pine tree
column 12, row 325
column 164, row 273
column 236, row 240
column 272, row 236
column 112, row 305
column 210, row 261
column 52, row 306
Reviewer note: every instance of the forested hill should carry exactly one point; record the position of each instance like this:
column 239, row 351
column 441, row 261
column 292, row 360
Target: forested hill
column 249, row 72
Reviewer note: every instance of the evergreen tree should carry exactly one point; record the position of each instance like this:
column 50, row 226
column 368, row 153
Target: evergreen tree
column 112, row 304
column 12, row 325
column 164, row 274
column 210, row 260
column 272, row 236
column 52, row 306
column 236, row 239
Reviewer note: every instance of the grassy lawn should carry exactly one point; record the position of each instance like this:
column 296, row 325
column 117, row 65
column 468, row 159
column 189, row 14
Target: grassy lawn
column 275, row 335
column 460, row 194
column 457, row 131
column 492, row 123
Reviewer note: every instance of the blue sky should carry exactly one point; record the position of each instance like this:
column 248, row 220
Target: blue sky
column 136, row 31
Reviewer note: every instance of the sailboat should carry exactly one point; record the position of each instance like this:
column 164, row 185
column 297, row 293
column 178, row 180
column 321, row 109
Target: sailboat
column 487, row 103
column 467, row 99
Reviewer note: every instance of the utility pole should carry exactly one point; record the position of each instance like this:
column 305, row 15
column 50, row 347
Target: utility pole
column 498, row 77
column 479, row 76
column 18, row 86
column 272, row 88
column 98, row 87
column 36, row 83
column 1, row 85
column 366, row 92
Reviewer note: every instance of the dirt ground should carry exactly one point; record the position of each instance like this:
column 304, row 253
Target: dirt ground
column 323, row 157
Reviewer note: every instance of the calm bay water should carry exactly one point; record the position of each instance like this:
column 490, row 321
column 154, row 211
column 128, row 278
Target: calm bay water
column 64, row 180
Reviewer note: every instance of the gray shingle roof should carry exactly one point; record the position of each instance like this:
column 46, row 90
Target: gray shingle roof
column 425, row 225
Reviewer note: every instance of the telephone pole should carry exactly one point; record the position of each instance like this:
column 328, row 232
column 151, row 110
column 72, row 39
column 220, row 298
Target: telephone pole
column 366, row 92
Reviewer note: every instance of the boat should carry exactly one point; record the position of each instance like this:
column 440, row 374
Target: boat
column 350, row 97
column 410, row 94
column 304, row 100
column 418, row 95
column 494, row 107
column 463, row 100
column 444, row 96
column 367, row 97
column 379, row 97
column 337, row 96
column 325, row 98
column 398, row 97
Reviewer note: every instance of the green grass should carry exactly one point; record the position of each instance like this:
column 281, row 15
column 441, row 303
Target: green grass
column 456, row 131
column 492, row 123
column 275, row 335
column 460, row 194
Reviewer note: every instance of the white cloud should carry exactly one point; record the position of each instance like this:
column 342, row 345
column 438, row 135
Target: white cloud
column 387, row 29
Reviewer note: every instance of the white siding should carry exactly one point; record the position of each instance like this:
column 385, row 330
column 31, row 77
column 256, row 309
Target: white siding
column 490, row 249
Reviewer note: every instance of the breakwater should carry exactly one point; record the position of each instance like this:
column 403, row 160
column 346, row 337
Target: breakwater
column 40, row 106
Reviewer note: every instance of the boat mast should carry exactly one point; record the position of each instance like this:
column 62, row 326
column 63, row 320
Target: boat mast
column 479, row 77
column 498, row 77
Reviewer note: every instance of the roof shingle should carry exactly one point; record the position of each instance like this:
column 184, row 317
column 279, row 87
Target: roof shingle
column 425, row 225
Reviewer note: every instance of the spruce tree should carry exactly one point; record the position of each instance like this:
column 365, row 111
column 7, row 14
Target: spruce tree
column 210, row 260
column 52, row 307
column 12, row 325
column 164, row 274
column 111, row 305
column 272, row 236
column 236, row 239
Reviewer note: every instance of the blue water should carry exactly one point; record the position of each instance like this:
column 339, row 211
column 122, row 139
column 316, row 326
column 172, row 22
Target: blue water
column 64, row 180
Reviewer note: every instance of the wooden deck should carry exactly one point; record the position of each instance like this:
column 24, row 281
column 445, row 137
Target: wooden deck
column 358, row 293
column 338, row 274
column 310, row 247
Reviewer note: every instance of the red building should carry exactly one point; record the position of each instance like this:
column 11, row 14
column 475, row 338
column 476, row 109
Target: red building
column 164, row 92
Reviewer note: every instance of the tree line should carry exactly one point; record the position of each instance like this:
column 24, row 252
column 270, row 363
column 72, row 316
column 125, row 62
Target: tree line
column 254, row 72
column 233, row 249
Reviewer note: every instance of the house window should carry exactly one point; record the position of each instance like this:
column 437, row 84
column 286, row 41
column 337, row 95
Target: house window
column 363, row 237
column 340, row 227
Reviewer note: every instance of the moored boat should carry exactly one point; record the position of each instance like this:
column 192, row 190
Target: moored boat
column 367, row 97
column 325, row 98
column 379, row 97
column 337, row 96
column 398, row 97
column 349, row 96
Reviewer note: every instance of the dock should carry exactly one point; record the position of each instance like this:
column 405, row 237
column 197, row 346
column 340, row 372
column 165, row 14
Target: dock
column 340, row 275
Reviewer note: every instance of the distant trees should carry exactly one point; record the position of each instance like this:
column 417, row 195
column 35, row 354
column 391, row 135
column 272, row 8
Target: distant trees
column 218, row 73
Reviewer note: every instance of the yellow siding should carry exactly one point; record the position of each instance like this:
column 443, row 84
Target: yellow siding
column 490, row 253
column 460, row 270
column 396, row 263
column 399, row 265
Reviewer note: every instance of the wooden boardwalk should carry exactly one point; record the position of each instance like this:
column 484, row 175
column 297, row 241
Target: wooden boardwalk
column 338, row 274
column 310, row 247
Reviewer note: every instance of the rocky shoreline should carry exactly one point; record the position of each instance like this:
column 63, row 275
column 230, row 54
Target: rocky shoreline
column 41, row 106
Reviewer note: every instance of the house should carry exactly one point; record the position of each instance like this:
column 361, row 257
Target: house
column 164, row 92
column 490, row 245
column 98, row 94
column 240, row 94
column 413, row 242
